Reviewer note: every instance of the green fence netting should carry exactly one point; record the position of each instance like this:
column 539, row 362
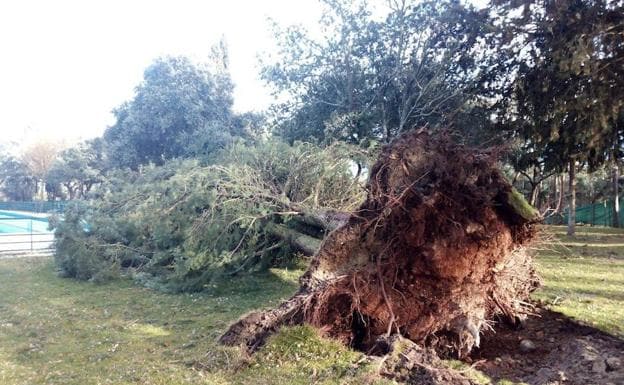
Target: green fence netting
column 597, row 214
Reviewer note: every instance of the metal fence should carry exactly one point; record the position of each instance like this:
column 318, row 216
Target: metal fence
column 22, row 232
column 35, row 206
column 597, row 214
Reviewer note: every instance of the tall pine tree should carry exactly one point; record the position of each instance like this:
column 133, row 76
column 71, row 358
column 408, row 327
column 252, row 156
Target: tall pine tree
column 564, row 89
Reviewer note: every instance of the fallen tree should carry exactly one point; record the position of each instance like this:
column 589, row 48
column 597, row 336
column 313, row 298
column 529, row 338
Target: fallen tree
column 183, row 225
column 434, row 254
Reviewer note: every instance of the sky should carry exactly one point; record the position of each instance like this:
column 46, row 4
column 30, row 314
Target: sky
column 66, row 64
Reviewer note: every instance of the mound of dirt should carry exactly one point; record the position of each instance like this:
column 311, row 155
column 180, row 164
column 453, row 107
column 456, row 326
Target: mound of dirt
column 547, row 349
column 433, row 254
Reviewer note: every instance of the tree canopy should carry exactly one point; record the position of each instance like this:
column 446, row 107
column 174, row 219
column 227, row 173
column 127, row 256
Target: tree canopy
column 78, row 169
column 566, row 97
column 16, row 181
column 372, row 78
column 176, row 101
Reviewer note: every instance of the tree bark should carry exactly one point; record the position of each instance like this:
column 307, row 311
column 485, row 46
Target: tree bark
column 561, row 190
column 326, row 220
column 535, row 190
column 302, row 242
column 572, row 199
column 616, row 195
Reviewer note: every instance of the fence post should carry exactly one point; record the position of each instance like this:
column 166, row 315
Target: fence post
column 31, row 236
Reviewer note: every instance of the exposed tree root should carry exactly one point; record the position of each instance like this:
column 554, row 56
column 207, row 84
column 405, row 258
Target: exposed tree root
column 433, row 254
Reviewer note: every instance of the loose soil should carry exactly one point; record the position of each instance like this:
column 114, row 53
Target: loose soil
column 565, row 353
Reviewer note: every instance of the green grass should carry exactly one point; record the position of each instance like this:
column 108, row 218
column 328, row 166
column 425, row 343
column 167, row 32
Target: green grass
column 584, row 276
column 62, row 331
column 475, row 375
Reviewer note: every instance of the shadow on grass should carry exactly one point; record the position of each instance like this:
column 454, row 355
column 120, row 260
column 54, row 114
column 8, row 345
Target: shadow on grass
column 270, row 282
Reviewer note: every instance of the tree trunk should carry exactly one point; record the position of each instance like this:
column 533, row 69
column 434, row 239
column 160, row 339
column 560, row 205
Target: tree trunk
column 39, row 189
column 302, row 242
column 616, row 195
column 326, row 220
column 572, row 199
column 561, row 190
column 533, row 194
column 535, row 191
column 436, row 249
column 557, row 189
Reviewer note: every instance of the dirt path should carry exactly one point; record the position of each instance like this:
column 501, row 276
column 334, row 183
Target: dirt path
column 560, row 352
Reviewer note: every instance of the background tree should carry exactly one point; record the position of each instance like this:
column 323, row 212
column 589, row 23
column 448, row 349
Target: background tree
column 373, row 79
column 78, row 169
column 16, row 181
column 176, row 100
column 38, row 159
column 563, row 83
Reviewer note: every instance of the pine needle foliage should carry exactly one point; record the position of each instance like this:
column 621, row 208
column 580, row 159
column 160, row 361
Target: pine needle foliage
column 179, row 226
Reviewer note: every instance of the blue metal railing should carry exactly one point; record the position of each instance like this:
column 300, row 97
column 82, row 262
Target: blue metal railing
column 22, row 232
column 35, row 206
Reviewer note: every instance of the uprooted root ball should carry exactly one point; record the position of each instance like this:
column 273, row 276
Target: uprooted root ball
column 433, row 254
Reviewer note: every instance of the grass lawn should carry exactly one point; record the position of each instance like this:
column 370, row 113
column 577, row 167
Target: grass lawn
column 584, row 276
column 61, row 331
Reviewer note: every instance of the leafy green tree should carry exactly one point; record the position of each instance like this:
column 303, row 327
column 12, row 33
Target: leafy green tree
column 373, row 79
column 176, row 100
column 209, row 139
column 16, row 181
column 78, row 169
